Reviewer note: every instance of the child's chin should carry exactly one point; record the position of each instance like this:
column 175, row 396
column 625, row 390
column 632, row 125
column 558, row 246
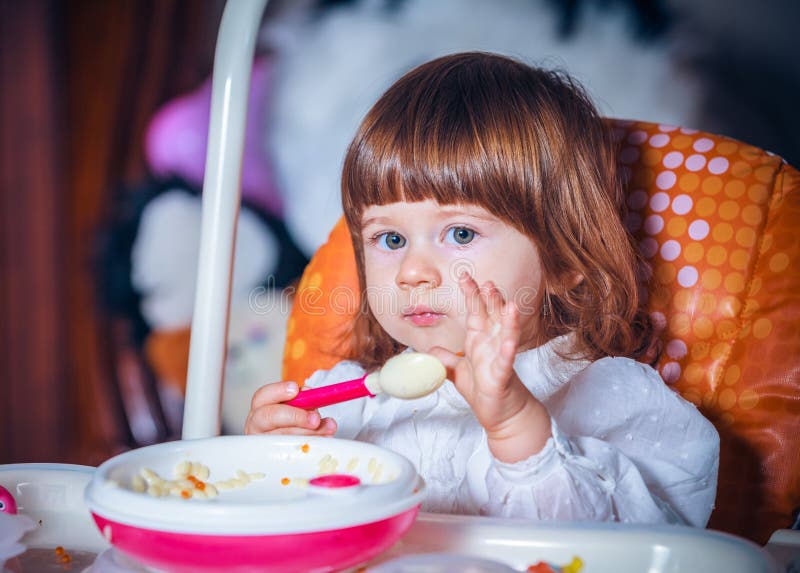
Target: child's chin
column 445, row 334
column 427, row 343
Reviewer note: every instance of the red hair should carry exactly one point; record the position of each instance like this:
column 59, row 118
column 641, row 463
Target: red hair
column 528, row 145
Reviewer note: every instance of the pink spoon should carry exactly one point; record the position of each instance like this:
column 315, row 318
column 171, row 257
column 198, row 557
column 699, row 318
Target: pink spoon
column 408, row 375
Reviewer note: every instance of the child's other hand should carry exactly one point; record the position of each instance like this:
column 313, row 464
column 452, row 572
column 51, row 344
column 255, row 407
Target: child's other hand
column 269, row 416
column 517, row 425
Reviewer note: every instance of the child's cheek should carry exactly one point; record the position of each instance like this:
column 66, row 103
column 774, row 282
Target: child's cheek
column 377, row 273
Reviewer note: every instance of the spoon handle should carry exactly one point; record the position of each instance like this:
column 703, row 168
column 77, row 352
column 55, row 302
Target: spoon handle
column 332, row 394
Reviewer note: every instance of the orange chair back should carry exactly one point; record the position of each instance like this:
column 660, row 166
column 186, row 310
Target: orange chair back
column 717, row 220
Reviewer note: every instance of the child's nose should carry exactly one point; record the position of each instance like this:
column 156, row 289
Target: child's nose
column 418, row 268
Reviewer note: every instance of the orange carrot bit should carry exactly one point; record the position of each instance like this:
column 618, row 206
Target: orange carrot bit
column 192, row 479
column 540, row 567
column 66, row 558
column 285, row 481
column 305, row 448
column 201, row 485
column 186, row 494
column 59, row 550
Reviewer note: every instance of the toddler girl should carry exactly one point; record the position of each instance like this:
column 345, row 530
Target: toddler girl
column 483, row 203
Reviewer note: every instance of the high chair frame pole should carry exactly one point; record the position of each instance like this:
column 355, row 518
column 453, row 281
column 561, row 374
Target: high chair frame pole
column 233, row 60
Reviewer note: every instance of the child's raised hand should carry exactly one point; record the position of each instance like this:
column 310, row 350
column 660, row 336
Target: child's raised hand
column 269, row 416
column 516, row 424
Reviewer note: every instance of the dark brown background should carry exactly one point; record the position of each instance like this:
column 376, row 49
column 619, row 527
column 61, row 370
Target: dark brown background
column 79, row 80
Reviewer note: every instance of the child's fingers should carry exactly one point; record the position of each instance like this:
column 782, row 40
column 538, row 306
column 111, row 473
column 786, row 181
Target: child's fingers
column 449, row 359
column 474, row 299
column 509, row 322
column 509, row 341
column 496, row 302
column 326, row 428
column 274, row 393
column 287, row 419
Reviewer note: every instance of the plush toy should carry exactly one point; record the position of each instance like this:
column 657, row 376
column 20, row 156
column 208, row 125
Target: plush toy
column 176, row 140
column 150, row 254
column 149, row 273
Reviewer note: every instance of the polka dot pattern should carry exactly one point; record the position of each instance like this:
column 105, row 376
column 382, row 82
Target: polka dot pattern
column 695, row 162
column 698, row 230
column 715, row 220
column 666, row 180
column 682, row 204
column 709, row 230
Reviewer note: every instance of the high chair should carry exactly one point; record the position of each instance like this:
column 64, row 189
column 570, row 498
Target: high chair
column 756, row 303
column 713, row 216
column 716, row 220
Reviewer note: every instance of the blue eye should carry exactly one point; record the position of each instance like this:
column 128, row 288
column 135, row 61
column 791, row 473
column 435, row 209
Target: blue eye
column 391, row 241
column 460, row 235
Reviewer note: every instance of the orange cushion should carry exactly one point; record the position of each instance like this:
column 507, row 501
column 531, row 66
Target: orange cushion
column 716, row 219
column 167, row 353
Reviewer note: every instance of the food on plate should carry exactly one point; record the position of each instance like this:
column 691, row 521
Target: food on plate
column 190, row 482
column 328, row 465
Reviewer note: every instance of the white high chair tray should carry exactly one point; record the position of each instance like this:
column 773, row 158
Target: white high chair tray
column 54, row 493
column 603, row 547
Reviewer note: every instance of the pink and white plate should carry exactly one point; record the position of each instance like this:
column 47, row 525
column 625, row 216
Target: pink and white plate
column 324, row 504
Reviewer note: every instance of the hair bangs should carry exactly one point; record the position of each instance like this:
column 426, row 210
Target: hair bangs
column 440, row 151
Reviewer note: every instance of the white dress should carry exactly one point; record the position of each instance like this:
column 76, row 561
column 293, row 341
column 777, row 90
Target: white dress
column 625, row 447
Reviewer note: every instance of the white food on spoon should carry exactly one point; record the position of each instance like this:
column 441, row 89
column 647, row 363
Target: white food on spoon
column 408, row 375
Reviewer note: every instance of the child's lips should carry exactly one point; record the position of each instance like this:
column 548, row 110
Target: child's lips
column 423, row 316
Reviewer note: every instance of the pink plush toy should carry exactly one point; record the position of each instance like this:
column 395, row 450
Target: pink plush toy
column 7, row 502
column 176, row 140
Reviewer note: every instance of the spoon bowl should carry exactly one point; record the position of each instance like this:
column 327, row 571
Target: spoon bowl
column 408, row 375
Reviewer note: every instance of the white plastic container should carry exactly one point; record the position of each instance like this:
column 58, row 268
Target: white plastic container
column 603, row 547
column 297, row 503
column 51, row 495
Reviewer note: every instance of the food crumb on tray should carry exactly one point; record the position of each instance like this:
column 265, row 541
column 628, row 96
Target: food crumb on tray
column 574, row 566
column 46, row 560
